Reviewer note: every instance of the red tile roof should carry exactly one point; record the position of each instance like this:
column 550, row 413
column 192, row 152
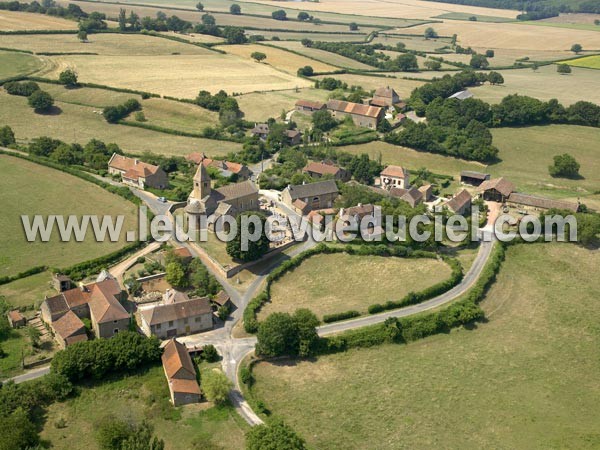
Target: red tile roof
column 321, row 168
column 394, row 171
column 68, row 325
column 310, row 104
column 133, row 168
column 354, row 108
column 177, row 362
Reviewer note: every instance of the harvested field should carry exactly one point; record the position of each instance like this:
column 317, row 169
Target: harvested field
column 178, row 75
column 545, row 84
column 103, row 44
column 84, row 96
column 402, row 87
column 77, row 123
column 418, row 43
column 323, row 56
column 30, row 189
column 17, row 21
column 277, row 58
column 298, row 36
column 587, row 62
column 259, row 106
column 200, row 38
column 334, row 283
column 14, row 64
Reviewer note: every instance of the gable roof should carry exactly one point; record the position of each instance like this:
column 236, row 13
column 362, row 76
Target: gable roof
column 104, row 305
column 476, row 175
column 175, row 358
column 260, row 128
column 354, row 108
column 312, row 189
column 462, row 95
column 310, row 104
column 56, row 304
column 15, row 315
column 68, row 325
column 237, row 190
column 502, row 185
column 222, row 165
column 221, row 298
column 541, row 202
column 394, row 172
column 178, row 310
column 459, row 201
column 413, row 196
column 184, row 386
column 321, row 168
column 133, row 167
column 386, row 92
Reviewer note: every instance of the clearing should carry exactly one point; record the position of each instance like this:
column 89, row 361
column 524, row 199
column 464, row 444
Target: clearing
column 28, row 188
column 528, row 375
column 334, row 283
column 13, row 64
column 18, row 21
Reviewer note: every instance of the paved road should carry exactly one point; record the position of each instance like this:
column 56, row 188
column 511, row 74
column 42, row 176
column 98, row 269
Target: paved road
column 31, row 374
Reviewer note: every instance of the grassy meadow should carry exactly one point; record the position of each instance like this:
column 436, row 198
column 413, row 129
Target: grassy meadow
column 31, row 189
column 333, row 283
column 525, row 379
column 29, row 290
column 14, row 64
column 142, row 396
column 259, row 106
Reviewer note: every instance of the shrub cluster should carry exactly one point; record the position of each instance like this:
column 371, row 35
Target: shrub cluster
column 113, row 114
column 25, row 88
column 328, row 318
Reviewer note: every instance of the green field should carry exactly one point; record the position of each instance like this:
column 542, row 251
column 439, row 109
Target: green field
column 466, row 16
column 527, row 378
column 13, row 64
column 137, row 397
column 31, row 189
column 572, row 26
column 334, row 283
column 14, row 347
column 28, row 291
column 78, row 123
column 587, row 62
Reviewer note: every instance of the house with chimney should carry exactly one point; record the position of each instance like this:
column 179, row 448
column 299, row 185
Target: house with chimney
column 394, row 177
column 137, row 173
column 260, row 130
column 362, row 115
column 386, row 97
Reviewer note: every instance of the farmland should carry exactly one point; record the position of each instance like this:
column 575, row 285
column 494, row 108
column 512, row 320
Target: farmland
column 259, row 106
column 333, row 283
column 323, row 56
column 490, row 387
column 77, row 123
column 16, row 21
column 587, row 62
column 402, row 87
column 32, row 189
column 14, row 64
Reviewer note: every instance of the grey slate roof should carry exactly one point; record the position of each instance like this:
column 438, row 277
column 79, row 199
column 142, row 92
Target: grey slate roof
column 312, row 189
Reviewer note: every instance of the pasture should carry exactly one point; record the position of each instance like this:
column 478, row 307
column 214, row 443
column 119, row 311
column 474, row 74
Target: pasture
column 106, row 44
column 479, row 18
column 334, row 283
column 402, row 87
column 277, row 58
column 28, row 291
column 77, row 123
column 544, row 83
column 323, row 56
column 142, row 396
column 299, row 35
column 13, row 64
column 18, row 21
column 412, row 42
column 31, row 189
column 587, row 62
column 259, row 106
column 528, row 375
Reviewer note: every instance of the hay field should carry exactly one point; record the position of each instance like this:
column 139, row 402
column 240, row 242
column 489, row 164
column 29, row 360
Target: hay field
column 259, row 106
column 100, row 98
column 334, row 283
column 299, row 35
column 277, row 58
column 178, row 75
column 193, row 37
column 526, row 378
column 513, row 35
column 412, row 42
column 323, row 56
column 107, row 44
column 545, row 84
column 407, row 9
column 14, row 63
column 17, row 21
column 402, row 87
column 79, row 124
column 587, row 62
column 30, row 189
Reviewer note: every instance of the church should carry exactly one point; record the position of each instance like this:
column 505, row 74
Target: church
column 231, row 199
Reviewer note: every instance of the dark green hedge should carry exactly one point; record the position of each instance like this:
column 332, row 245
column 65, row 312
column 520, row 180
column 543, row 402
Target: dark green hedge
column 24, row 274
column 328, row 318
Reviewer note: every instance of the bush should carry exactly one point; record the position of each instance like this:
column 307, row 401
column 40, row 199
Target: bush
column 276, row 435
column 68, row 78
column 113, row 114
column 328, row 318
column 246, row 376
column 25, row 88
column 210, row 354
column 564, row 166
column 216, row 386
column 7, row 136
column 40, row 101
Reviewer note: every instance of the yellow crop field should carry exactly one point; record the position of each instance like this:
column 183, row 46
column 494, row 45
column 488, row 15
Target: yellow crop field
column 278, row 58
column 102, row 44
column 587, row 62
column 16, row 21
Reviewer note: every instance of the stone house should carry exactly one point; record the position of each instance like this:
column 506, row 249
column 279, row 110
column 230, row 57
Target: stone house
column 293, row 137
column 260, row 130
column 226, row 168
column 16, row 319
column 137, row 173
column 394, row 177
column 321, row 169
column 496, row 190
column 309, row 106
column 180, row 373
column 310, row 196
column 178, row 318
column 61, row 282
column 362, row 115
column 461, row 203
column 386, row 97
column 69, row 329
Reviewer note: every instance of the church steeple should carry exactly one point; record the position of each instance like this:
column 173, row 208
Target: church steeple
column 201, row 182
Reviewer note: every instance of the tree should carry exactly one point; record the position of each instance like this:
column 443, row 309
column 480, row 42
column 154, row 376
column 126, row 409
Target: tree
column 495, row 78
column 40, row 101
column 407, row 62
column 175, row 274
column 563, row 68
column 302, row 16
column 82, row 35
column 234, row 35
column 258, row 56
column 479, row 62
column 17, row 429
column 306, row 71
column 576, row 48
column 122, row 19
column 209, row 353
column 353, row 26
column 216, row 386
column 199, row 6
column 275, row 436
column 489, row 53
column 430, row 33
column 207, row 19
column 432, row 64
column 564, row 166
column 256, row 248
column 280, row 14
column 7, row 136
column 323, row 120
column 68, row 78
column 141, row 438
column 235, row 9
column 134, row 21
column 307, row 323
column 278, row 335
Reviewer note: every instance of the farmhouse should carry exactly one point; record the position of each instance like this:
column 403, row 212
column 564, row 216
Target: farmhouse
column 460, row 203
column 231, row 199
column 427, row 191
column 137, row 173
column 412, row 195
column 16, row 319
column 69, row 329
column 309, row 107
column 99, row 302
column 386, row 97
column 394, row 176
column 496, row 190
column 260, row 130
column 181, row 317
column 293, row 137
column 462, row 95
column 180, row 373
column 321, row 169
column 226, row 168
column 307, row 197
column 473, row 178
column 362, row 115
column 357, row 212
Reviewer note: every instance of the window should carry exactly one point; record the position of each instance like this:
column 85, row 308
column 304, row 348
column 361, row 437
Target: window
column 170, row 323
column 114, row 321
column 158, row 326
column 115, row 331
column 197, row 319
column 185, row 321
